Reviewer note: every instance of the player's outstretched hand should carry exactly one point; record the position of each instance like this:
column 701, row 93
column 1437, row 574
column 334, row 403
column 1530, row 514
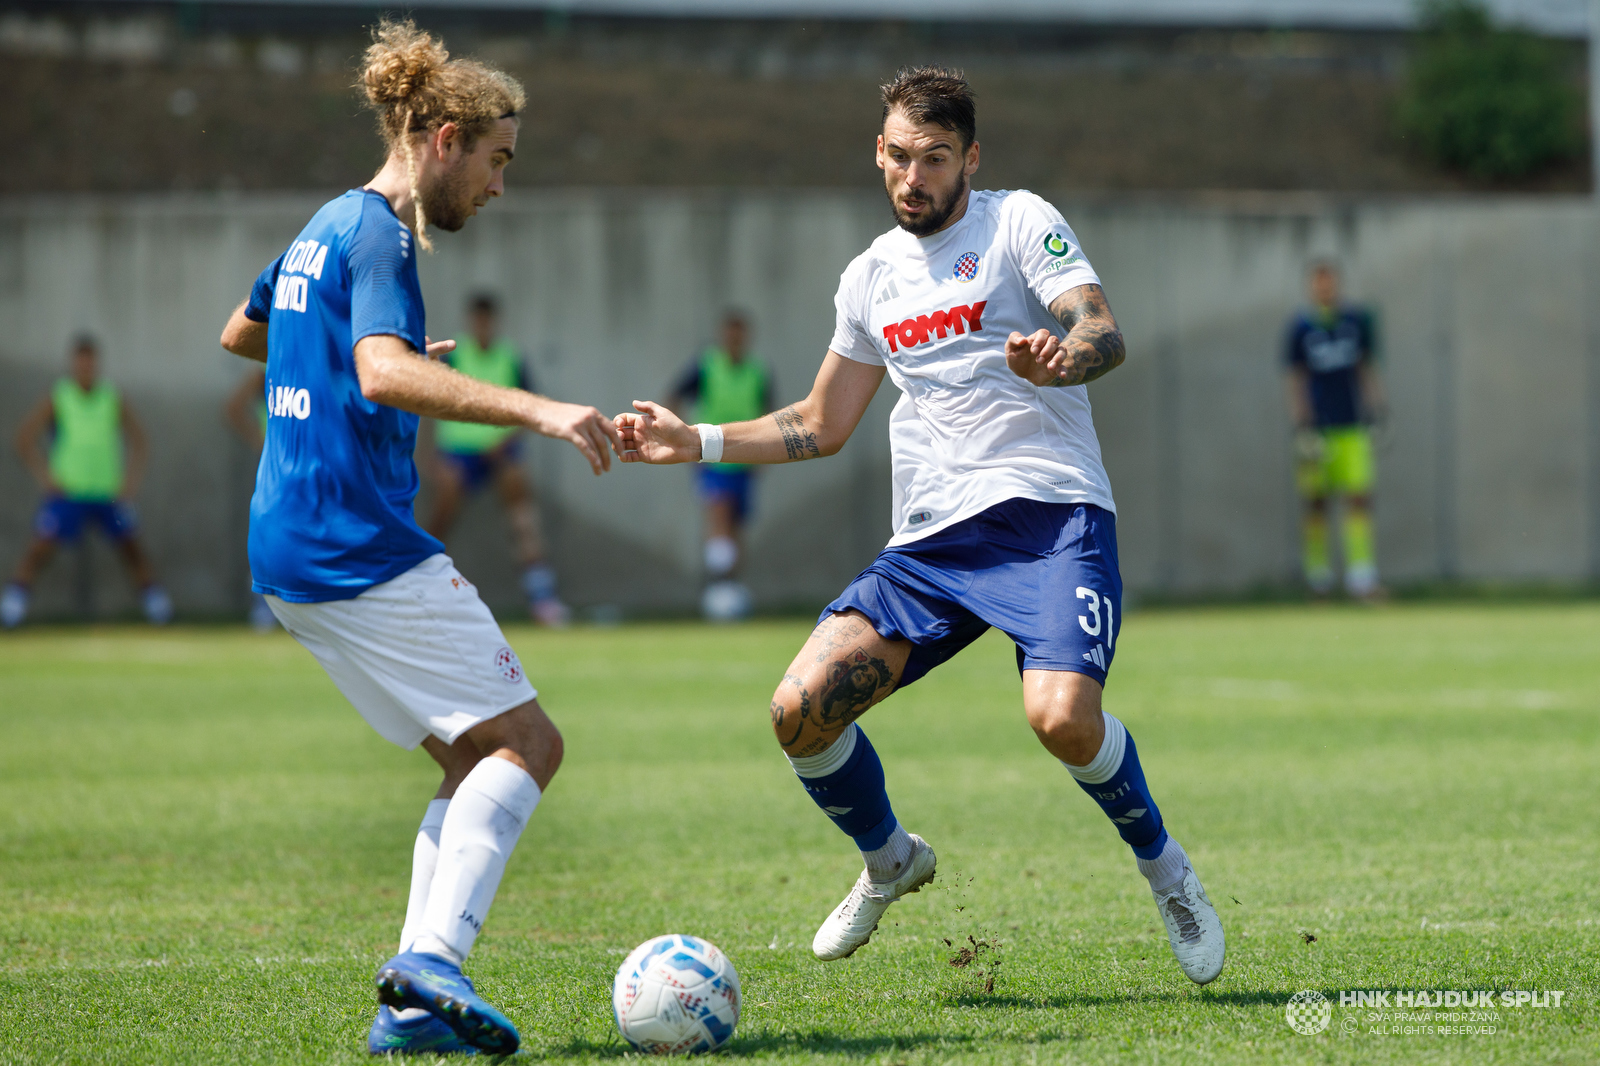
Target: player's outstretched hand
column 653, row 434
column 1038, row 358
column 591, row 432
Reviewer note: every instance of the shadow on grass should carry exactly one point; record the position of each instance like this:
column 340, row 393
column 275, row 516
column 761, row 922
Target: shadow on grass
column 815, row 1041
column 1232, row 999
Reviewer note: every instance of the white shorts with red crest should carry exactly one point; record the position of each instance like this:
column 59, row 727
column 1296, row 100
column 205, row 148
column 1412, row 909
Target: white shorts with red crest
column 416, row 655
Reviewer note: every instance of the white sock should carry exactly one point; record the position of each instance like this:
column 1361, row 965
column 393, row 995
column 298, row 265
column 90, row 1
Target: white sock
column 487, row 815
column 722, row 555
column 1165, row 870
column 424, row 861
column 885, row 862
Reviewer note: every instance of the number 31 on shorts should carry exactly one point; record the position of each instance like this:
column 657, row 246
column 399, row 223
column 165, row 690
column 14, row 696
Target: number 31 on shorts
column 1091, row 620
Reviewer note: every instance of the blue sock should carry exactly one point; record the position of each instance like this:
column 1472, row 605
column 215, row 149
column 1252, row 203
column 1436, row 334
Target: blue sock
column 1115, row 781
column 846, row 781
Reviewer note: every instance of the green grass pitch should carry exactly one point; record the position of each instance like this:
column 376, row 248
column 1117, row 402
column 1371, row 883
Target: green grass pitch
column 204, row 852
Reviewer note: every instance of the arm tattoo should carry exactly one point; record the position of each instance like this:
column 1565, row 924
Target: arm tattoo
column 1093, row 343
column 796, row 441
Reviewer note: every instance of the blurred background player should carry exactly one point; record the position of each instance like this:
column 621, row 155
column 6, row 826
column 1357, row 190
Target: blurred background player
column 1333, row 395
column 246, row 412
column 725, row 383
column 95, row 463
column 471, row 456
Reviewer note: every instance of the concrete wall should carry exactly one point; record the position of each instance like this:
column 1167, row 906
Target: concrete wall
column 1488, row 470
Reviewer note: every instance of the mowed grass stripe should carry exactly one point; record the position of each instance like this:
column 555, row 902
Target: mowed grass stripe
column 204, row 852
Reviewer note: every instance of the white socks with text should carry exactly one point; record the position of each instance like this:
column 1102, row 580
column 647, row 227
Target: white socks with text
column 480, row 829
column 424, row 861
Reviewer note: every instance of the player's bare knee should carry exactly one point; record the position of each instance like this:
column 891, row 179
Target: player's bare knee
column 791, row 712
column 1064, row 710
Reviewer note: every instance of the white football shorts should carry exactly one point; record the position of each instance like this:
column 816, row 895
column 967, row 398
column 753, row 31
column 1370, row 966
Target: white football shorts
column 415, row 655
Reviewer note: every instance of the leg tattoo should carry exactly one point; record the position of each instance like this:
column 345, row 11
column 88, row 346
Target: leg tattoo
column 779, row 712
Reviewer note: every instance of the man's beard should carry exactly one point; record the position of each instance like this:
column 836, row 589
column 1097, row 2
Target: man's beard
column 931, row 218
column 448, row 204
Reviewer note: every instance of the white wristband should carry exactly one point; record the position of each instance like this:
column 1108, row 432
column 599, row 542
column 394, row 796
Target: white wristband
column 710, row 442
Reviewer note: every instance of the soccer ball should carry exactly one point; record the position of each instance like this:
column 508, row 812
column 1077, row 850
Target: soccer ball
column 676, row 995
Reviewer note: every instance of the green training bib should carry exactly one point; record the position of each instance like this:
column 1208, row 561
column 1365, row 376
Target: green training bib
column 499, row 364
column 86, row 456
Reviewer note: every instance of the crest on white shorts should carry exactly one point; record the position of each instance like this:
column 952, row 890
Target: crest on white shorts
column 508, row 665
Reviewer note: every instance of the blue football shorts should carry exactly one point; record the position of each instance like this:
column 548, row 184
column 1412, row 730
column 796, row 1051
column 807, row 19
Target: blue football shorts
column 1045, row 574
column 476, row 469
column 730, row 485
column 62, row 519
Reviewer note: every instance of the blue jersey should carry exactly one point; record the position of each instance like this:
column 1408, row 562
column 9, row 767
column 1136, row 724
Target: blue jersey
column 332, row 512
column 1332, row 349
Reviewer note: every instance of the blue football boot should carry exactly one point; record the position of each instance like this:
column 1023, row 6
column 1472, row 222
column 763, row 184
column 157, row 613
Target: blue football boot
column 416, row 979
column 426, row 1035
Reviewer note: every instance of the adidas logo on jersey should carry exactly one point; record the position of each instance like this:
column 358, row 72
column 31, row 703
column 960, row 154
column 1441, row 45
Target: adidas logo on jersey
column 889, row 293
column 919, row 330
column 1097, row 656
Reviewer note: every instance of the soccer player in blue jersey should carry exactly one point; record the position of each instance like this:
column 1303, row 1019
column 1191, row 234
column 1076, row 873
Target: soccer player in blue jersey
column 1331, row 353
column 334, row 547
column 983, row 309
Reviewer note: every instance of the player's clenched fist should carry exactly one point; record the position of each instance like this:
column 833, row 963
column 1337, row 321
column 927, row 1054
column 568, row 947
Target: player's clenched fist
column 591, row 432
column 1038, row 357
column 652, row 434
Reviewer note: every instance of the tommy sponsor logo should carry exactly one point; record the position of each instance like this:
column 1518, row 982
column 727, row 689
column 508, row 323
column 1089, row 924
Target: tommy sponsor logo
column 508, row 665
column 286, row 401
column 919, row 330
column 304, row 260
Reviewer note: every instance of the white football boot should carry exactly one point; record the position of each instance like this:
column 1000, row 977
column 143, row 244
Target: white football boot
column 1193, row 928
column 852, row 922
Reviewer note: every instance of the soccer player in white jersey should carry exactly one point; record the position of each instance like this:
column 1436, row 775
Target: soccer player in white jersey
column 983, row 310
column 335, row 548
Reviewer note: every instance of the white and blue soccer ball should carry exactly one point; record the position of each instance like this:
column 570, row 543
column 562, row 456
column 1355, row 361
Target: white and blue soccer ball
column 676, row 995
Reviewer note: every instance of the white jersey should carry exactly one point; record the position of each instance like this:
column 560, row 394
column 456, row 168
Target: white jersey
column 968, row 433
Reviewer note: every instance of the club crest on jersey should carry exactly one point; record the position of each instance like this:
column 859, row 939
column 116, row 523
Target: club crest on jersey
column 918, row 330
column 967, row 267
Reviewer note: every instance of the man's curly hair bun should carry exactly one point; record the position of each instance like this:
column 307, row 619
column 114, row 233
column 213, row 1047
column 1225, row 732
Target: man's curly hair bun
column 400, row 62
column 415, row 87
